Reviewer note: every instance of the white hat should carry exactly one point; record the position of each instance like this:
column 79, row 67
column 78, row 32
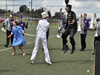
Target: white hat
column 11, row 16
column 44, row 14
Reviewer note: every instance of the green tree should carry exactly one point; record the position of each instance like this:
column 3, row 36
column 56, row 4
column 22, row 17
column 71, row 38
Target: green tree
column 23, row 8
column 57, row 16
column 37, row 13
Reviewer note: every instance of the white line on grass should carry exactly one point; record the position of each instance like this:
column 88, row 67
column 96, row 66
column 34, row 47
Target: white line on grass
column 29, row 34
column 26, row 44
column 11, row 47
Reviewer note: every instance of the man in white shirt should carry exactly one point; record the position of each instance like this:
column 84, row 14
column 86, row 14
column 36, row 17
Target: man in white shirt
column 41, row 30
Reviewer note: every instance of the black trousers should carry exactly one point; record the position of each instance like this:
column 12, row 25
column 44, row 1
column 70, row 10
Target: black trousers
column 47, row 34
column 97, row 57
column 83, row 40
column 96, row 39
column 7, row 39
column 71, row 32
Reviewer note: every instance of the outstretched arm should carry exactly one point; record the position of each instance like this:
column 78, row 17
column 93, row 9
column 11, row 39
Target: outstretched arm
column 10, row 35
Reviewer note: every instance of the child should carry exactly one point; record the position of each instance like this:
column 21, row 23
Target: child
column 41, row 30
column 18, row 39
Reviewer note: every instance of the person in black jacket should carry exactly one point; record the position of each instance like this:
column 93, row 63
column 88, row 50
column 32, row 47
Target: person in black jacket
column 71, row 29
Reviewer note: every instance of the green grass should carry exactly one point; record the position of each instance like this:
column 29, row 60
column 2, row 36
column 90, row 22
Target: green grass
column 63, row 64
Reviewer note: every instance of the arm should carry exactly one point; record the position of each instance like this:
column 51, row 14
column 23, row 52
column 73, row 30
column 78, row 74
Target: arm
column 5, row 22
column 26, row 25
column 10, row 35
column 21, row 30
column 37, row 28
column 87, row 24
column 74, row 18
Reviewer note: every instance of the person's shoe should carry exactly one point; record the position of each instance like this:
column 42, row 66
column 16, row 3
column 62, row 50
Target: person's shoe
column 6, row 45
column 66, row 49
column 82, row 49
column 49, row 63
column 23, row 54
column 32, row 62
column 42, row 49
column 93, row 53
column 13, row 54
column 73, row 49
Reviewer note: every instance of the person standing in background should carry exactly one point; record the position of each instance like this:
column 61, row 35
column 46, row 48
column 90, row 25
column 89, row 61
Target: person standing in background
column 83, row 32
column 9, row 23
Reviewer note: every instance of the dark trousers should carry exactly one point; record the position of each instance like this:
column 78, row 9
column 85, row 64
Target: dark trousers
column 97, row 57
column 7, row 39
column 96, row 39
column 83, row 40
column 71, row 32
column 47, row 34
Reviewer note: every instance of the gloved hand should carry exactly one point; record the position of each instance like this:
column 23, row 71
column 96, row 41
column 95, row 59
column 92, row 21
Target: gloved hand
column 3, row 24
column 27, row 25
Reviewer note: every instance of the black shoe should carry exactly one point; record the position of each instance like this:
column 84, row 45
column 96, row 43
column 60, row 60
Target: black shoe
column 66, row 49
column 93, row 53
column 6, row 45
column 42, row 49
column 73, row 49
column 82, row 49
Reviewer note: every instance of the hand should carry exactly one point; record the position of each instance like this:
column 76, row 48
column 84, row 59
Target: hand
column 3, row 24
column 24, row 31
column 9, row 36
column 73, row 21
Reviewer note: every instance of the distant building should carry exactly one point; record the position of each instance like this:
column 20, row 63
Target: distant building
column 2, row 13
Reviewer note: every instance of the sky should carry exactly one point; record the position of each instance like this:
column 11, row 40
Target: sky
column 78, row 6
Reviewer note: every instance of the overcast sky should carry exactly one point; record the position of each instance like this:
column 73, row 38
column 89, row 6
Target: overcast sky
column 79, row 6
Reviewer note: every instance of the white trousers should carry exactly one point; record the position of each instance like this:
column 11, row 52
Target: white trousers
column 35, row 50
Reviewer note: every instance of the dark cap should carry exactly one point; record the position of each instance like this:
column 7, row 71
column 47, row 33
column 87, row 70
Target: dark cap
column 68, row 6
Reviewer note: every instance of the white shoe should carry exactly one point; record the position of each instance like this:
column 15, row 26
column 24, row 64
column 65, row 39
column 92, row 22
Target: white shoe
column 49, row 63
column 32, row 62
column 13, row 54
column 23, row 54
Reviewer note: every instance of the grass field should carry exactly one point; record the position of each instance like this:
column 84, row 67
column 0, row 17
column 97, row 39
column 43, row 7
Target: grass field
column 63, row 64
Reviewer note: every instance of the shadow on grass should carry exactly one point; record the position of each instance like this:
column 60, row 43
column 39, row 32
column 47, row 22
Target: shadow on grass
column 67, row 61
column 72, row 61
column 3, row 71
column 1, row 45
column 54, row 48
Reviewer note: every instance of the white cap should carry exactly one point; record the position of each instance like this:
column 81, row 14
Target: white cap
column 11, row 16
column 44, row 14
